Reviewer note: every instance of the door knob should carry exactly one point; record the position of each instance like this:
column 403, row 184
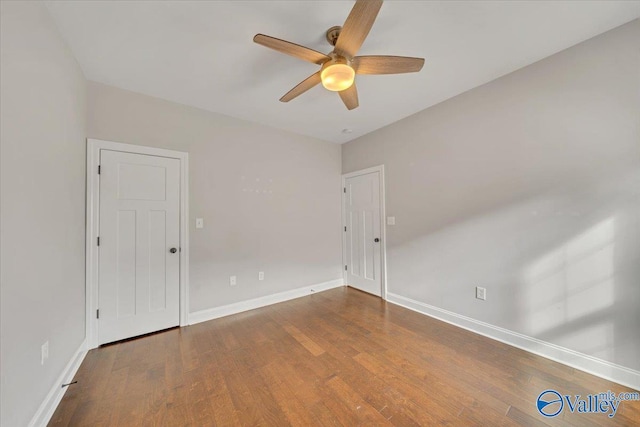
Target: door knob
column 376, row 240
column 173, row 250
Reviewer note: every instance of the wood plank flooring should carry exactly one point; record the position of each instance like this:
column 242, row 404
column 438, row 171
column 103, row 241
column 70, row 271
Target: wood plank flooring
column 336, row 358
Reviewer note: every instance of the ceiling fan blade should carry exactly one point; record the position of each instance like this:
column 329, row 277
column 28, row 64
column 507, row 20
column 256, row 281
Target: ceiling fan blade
column 350, row 97
column 357, row 27
column 386, row 64
column 302, row 87
column 291, row 49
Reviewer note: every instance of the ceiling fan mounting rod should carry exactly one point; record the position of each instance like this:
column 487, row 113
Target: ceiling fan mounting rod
column 332, row 34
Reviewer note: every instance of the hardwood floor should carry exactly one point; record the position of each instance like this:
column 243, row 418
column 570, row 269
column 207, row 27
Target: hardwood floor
column 339, row 357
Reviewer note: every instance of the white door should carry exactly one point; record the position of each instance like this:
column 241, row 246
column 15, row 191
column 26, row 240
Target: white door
column 139, row 260
column 363, row 233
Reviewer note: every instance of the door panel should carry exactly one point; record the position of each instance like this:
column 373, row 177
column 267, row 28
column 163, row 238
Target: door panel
column 354, row 238
column 362, row 211
column 141, row 182
column 139, row 224
column 126, row 263
column 157, row 260
column 369, row 235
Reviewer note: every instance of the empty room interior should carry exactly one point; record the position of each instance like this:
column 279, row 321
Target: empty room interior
column 331, row 213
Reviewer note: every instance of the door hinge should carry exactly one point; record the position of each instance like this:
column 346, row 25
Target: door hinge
column 99, row 169
column 345, row 268
column 345, row 228
column 345, row 189
column 97, row 313
column 98, row 239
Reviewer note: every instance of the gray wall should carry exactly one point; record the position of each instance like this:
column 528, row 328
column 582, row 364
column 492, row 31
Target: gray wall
column 528, row 186
column 42, row 207
column 270, row 199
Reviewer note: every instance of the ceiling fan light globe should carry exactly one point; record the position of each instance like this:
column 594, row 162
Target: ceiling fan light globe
column 337, row 77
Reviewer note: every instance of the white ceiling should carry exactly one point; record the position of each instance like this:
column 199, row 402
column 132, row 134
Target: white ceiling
column 201, row 53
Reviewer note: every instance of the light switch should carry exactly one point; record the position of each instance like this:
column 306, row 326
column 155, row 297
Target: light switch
column 391, row 220
column 199, row 223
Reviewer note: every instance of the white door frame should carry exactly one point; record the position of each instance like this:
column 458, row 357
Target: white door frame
column 93, row 204
column 383, row 237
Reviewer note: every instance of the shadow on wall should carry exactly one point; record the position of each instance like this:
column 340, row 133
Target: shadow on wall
column 563, row 267
column 585, row 291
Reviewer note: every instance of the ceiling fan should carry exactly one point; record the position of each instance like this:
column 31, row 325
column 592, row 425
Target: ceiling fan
column 340, row 66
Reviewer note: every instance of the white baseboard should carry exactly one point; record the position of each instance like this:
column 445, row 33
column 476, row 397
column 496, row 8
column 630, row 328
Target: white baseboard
column 592, row 365
column 239, row 307
column 51, row 402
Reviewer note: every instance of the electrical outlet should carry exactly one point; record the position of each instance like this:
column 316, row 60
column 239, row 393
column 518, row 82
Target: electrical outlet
column 481, row 293
column 44, row 352
column 232, row 281
column 261, row 275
